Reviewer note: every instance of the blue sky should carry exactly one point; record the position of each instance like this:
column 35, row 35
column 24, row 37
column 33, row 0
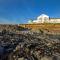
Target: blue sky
column 20, row 11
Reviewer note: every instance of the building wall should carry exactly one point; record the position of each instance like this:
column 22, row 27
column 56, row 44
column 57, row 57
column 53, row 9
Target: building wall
column 51, row 20
column 54, row 20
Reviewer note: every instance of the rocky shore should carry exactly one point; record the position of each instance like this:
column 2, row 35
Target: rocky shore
column 29, row 45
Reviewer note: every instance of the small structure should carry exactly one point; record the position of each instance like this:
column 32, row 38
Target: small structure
column 30, row 21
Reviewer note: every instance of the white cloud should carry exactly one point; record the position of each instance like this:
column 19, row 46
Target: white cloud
column 6, row 21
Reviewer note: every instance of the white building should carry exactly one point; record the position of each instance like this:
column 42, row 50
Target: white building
column 46, row 19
